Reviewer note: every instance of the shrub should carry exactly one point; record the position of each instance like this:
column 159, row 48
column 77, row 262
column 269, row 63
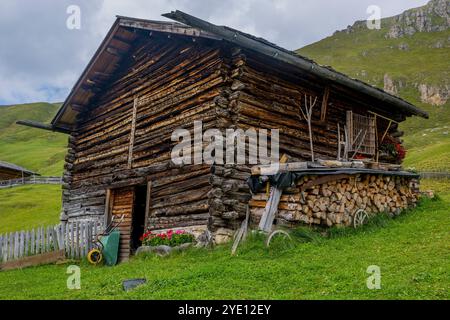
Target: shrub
column 170, row 238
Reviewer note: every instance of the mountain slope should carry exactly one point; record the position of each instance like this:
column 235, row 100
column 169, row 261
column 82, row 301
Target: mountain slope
column 38, row 150
column 409, row 56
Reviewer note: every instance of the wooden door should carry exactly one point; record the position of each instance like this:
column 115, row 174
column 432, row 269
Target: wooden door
column 122, row 203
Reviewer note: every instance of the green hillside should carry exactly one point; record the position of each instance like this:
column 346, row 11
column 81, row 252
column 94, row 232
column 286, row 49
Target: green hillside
column 30, row 206
column 38, row 150
column 412, row 252
column 411, row 63
column 23, row 208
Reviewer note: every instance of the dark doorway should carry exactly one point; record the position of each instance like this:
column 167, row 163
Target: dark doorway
column 138, row 223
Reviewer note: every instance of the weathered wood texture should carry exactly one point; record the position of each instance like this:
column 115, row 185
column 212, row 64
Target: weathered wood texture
column 122, row 203
column 44, row 258
column 125, row 138
column 166, row 83
column 76, row 238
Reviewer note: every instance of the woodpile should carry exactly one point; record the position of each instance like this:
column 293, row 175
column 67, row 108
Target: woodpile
column 317, row 201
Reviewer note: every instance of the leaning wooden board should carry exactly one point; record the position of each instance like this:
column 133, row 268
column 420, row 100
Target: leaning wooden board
column 45, row 258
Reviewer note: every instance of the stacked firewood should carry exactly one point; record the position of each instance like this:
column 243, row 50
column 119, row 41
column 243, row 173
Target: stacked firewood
column 335, row 202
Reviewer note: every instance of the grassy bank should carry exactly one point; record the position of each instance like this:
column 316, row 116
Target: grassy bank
column 411, row 250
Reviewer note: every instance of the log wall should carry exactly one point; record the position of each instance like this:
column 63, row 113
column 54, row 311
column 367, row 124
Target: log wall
column 125, row 138
column 166, row 83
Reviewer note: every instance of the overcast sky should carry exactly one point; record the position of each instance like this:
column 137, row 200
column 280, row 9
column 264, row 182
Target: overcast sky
column 40, row 58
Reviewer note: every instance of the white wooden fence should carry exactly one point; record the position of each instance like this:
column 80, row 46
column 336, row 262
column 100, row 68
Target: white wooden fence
column 435, row 175
column 30, row 180
column 76, row 238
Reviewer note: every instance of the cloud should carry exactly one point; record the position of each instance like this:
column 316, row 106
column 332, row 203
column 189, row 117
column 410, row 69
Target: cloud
column 40, row 58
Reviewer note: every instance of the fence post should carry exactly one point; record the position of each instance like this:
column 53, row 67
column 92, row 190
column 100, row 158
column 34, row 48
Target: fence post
column 1, row 248
column 54, row 239
column 27, row 242
column 16, row 245
column 72, row 240
column 32, row 242
column 21, row 243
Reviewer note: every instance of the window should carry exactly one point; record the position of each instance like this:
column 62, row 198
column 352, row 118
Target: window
column 362, row 133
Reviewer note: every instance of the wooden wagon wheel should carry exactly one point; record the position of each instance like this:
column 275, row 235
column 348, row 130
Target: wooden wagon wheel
column 274, row 233
column 360, row 218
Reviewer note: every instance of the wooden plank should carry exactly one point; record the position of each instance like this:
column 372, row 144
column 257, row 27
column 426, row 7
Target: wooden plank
column 89, row 236
column 147, row 204
column 267, row 170
column 1, row 248
column 16, row 245
column 63, row 231
column 77, row 240
column 322, row 180
column 323, row 110
column 132, row 133
column 83, row 239
column 42, row 240
column 95, row 231
column 107, row 206
column 27, row 243
column 32, row 242
column 271, row 209
column 21, row 243
column 72, row 240
column 48, row 240
column 38, row 241
column 11, row 247
column 35, row 260
column 54, row 239
column 5, row 247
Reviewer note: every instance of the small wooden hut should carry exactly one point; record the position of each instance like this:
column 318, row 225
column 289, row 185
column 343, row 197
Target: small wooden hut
column 10, row 171
column 149, row 78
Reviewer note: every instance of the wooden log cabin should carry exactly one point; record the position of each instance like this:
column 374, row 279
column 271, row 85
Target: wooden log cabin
column 10, row 171
column 149, row 78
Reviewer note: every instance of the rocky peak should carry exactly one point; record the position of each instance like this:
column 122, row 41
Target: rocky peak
column 435, row 16
column 434, row 95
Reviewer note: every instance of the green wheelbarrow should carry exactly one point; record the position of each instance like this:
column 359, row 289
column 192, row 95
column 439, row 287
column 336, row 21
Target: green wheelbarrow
column 107, row 245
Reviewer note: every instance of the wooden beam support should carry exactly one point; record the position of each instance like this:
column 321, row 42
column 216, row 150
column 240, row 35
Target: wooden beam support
column 323, row 110
column 148, row 204
column 322, row 180
column 132, row 133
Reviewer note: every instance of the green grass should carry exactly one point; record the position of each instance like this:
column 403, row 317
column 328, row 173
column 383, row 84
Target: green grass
column 26, row 207
column 38, row 150
column 412, row 251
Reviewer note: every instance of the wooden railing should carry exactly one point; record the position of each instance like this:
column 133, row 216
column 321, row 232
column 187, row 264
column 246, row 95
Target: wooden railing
column 75, row 238
column 30, row 180
column 435, row 175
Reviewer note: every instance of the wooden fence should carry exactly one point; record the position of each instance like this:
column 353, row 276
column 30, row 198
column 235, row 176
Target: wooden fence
column 435, row 175
column 30, row 180
column 75, row 238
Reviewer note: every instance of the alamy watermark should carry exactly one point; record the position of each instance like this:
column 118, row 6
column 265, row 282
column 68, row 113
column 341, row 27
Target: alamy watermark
column 374, row 20
column 374, row 280
column 73, row 21
column 74, row 278
column 215, row 147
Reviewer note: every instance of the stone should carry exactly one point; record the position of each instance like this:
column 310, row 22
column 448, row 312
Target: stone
column 205, row 239
column 434, row 95
column 429, row 194
column 161, row 250
column 389, row 85
column 222, row 236
column 131, row 284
